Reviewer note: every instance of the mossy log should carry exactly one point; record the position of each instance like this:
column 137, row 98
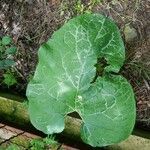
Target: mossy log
column 14, row 111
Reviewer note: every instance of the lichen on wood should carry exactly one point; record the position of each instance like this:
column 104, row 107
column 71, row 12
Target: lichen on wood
column 13, row 111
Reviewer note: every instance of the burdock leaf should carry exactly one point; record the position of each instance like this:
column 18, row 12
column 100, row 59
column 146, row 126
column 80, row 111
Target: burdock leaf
column 62, row 82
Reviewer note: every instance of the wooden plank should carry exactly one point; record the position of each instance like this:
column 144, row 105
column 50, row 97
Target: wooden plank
column 16, row 112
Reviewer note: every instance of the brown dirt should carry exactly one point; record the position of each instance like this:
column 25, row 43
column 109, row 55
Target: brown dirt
column 31, row 22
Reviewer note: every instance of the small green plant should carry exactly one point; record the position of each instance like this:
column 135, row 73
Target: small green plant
column 79, row 7
column 44, row 144
column 9, row 79
column 13, row 147
column 7, row 51
column 88, row 47
column 82, row 8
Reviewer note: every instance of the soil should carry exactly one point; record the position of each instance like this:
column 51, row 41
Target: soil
column 32, row 22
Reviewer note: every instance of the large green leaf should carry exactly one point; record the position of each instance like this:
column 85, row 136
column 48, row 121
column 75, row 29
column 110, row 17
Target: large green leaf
column 63, row 82
column 108, row 111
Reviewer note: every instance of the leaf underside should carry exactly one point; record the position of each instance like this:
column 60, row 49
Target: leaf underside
column 63, row 82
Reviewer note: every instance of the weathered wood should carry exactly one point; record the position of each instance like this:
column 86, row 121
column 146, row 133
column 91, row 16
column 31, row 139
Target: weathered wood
column 13, row 111
column 132, row 143
column 16, row 112
column 10, row 135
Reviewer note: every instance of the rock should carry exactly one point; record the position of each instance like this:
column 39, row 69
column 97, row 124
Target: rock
column 130, row 33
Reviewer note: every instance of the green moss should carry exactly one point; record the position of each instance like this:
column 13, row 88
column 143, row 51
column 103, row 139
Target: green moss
column 13, row 111
column 21, row 140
